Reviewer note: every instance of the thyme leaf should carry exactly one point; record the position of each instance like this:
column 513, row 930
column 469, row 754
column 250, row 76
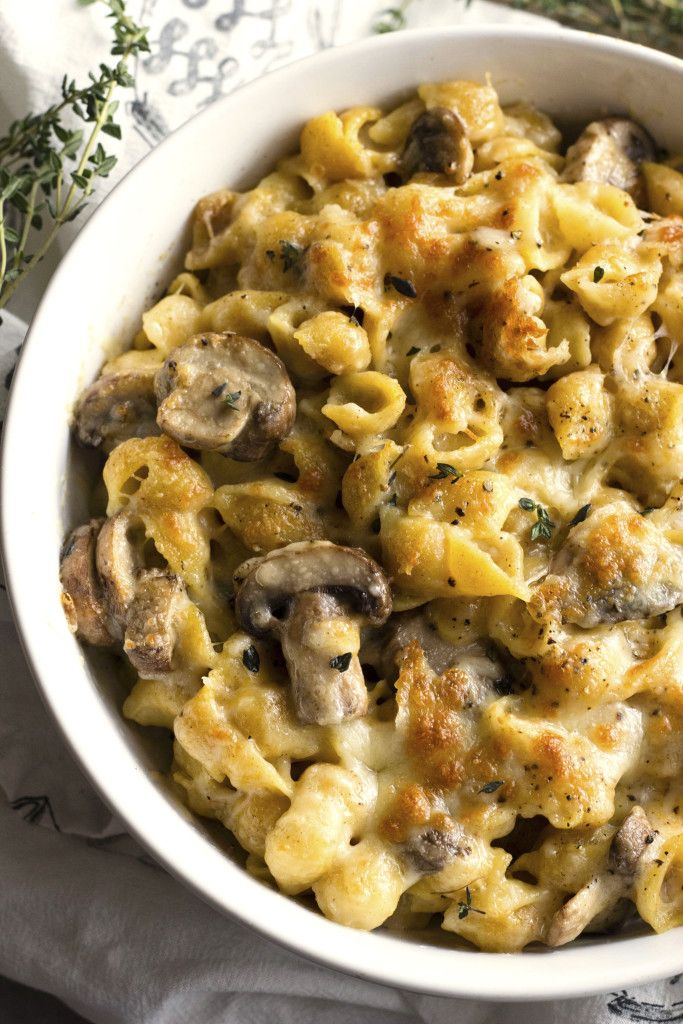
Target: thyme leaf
column 446, row 470
column 544, row 526
column 465, row 906
column 400, row 285
column 491, row 787
column 341, row 661
column 291, row 255
column 580, row 516
column 251, row 659
column 231, row 399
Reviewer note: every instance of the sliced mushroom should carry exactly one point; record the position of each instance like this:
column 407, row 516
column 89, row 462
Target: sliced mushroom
column 432, row 849
column 83, row 598
column 630, row 842
column 119, row 561
column 610, row 151
column 438, row 142
column 116, row 407
column 605, row 890
column 614, row 566
column 151, row 620
column 440, row 652
column 225, row 393
column 314, row 596
column 407, row 626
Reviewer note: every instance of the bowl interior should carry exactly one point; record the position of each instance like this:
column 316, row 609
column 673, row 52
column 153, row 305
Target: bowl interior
column 116, row 268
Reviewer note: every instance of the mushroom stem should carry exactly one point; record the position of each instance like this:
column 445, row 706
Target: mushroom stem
column 628, row 850
column 314, row 597
column 594, row 897
column 320, row 644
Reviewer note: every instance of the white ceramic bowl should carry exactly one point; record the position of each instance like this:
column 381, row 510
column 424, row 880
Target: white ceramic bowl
column 114, row 270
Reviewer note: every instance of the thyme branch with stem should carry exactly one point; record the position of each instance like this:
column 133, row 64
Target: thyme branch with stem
column 657, row 23
column 39, row 190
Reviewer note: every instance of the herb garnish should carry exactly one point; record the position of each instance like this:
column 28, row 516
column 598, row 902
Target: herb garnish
column 465, row 906
column 341, row 661
column 251, row 659
column 219, row 389
column 389, row 20
column 598, row 274
column 291, row 255
column 37, row 187
column 231, row 399
column 544, row 526
column 652, row 22
column 491, row 787
column 445, row 469
column 413, row 351
column 400, row 285
column 580, row 516
column 356, row 314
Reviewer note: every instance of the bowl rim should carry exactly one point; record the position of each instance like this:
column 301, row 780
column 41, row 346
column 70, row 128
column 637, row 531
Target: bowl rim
column 363, row 955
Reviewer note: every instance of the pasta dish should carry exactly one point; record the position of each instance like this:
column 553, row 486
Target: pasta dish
column 389, row 529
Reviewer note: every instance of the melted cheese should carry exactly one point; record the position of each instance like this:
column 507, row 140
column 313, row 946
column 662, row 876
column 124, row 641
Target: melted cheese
column 522, row 333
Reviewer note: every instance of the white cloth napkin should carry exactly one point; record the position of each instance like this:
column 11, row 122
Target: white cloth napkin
column 85, row 914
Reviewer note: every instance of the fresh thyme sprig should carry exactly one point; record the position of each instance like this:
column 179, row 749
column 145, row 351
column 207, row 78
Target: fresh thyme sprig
column 465, row 907
column 38, row 189
column 657, row 23
column 544, row 526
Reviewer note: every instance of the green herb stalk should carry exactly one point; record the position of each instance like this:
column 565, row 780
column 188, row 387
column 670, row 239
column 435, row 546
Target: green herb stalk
column 38, row 188
column 657, row 23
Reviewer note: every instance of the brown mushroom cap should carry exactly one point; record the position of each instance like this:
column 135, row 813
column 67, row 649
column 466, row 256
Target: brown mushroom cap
column 151, row 619
column 438, row 142
column 83, row 597
column 610, row 151
column 116, row 407
column 225, row 393
column 314, row 595
column 267, row 585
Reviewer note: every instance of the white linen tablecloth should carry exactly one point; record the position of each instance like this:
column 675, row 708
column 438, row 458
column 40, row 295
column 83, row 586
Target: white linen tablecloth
column 84, row 913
